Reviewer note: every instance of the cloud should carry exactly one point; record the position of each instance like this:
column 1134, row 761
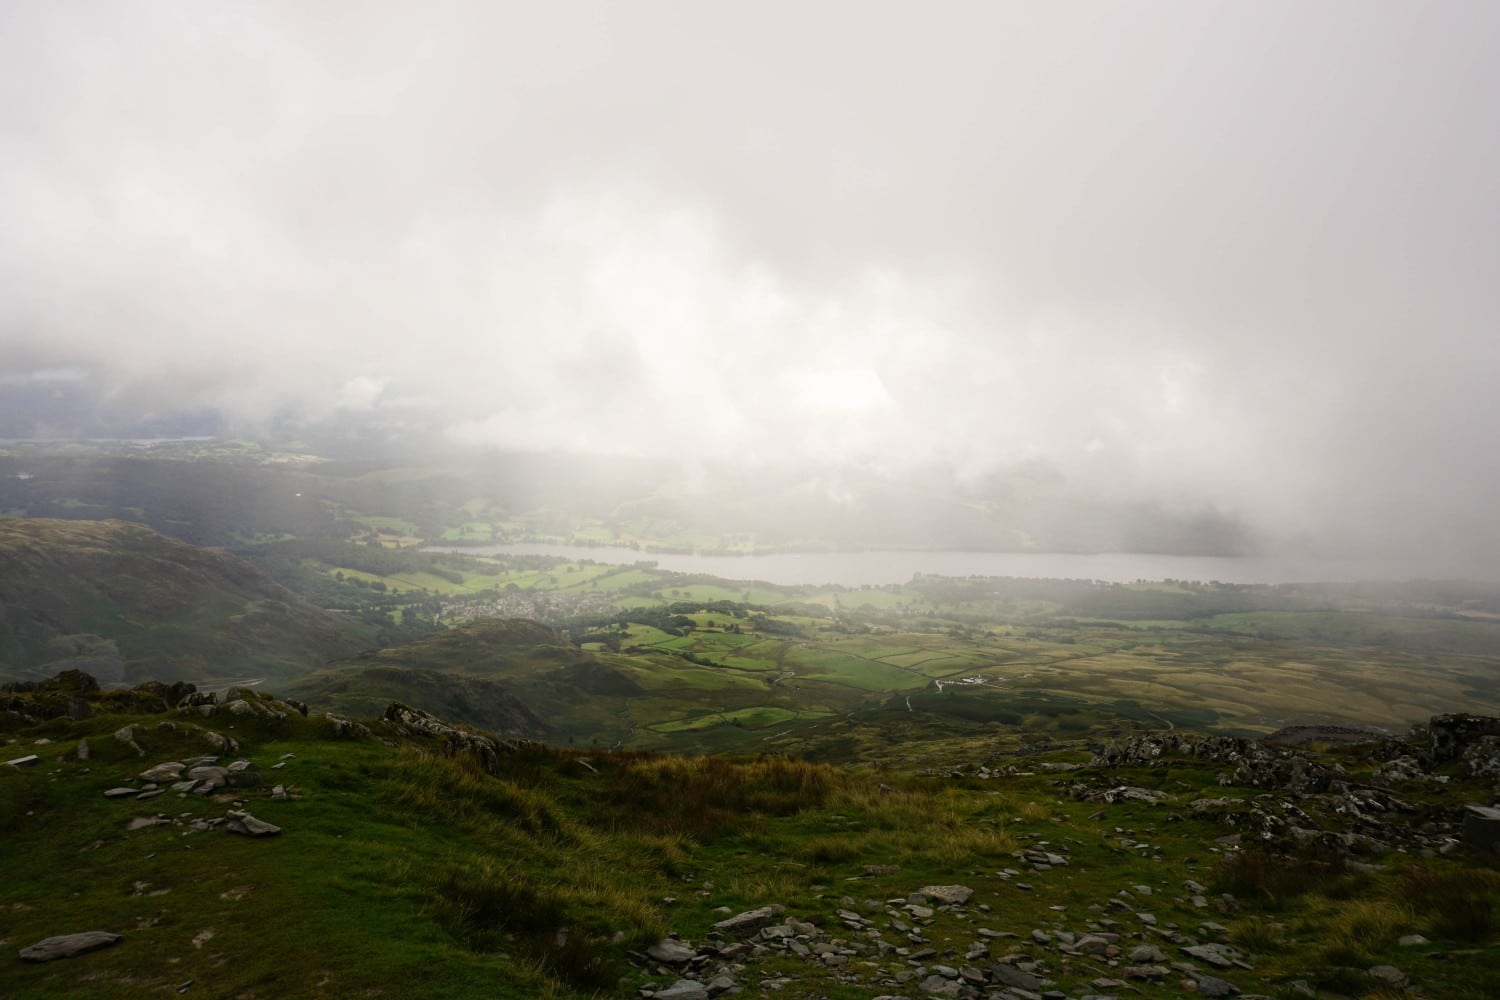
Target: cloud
column 1241, row 256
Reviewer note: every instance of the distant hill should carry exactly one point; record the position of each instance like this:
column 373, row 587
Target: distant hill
column 472, row 700
column 126, row 603
column 512, row 675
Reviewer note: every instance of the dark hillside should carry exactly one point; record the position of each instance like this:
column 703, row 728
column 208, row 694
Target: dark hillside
column 128, row 603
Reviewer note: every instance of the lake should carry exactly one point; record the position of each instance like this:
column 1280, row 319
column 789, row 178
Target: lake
column 854, row 569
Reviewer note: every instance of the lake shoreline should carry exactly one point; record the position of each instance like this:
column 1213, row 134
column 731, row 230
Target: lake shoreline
column 885, row 567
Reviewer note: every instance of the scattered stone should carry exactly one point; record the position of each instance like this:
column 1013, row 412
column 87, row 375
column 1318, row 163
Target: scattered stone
column 1002, row 974
column 1209, row 986
column 241, row 822
column 1218, row 955
column 121, row 792
column 1390, row 975
column 68, row 945
column 1412, row 941
column 671, row 952
column 242, row 774
column 168, row 771
column 27, row 761
column 683, row 989
column 749, row 921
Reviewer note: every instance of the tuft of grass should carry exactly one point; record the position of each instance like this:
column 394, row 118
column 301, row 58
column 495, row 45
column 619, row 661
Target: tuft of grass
column 1460, row 904
column 1272, row 879
column 1258, row 935
column 1362, row 929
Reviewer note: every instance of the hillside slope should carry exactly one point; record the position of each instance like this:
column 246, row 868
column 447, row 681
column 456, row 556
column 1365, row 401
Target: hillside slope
column 513, row 676
column 127, row 603
column 409, row 858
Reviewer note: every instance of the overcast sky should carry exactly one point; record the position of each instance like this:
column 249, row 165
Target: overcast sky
column 1239, row 254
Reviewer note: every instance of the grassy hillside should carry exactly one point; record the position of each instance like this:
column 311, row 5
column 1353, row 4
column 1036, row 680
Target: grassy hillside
column 415, row 860
column 128, row 603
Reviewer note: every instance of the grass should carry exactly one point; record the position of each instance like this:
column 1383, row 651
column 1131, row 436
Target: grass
column 402, row 865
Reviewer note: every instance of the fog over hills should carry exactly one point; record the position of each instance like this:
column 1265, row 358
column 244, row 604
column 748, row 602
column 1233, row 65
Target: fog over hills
column 1235, row 262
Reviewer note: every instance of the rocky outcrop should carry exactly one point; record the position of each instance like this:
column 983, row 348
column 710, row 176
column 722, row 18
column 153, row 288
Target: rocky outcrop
column 455, row 741
column 1252, row 764
column 1449, row 737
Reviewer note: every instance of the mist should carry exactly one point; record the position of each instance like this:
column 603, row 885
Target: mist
column 1234, row 261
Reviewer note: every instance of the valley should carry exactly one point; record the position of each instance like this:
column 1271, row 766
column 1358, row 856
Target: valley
column 534, row 776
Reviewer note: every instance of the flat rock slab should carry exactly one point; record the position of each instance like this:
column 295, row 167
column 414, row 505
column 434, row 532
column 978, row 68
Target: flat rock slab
column 950, row 895
column 684, row 989
column 68, row 945
column 1210, row 986
column 750, row 920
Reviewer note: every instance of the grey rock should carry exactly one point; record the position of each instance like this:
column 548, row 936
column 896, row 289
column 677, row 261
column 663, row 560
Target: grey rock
column 1147, row 953
column 1008, row 975
column 121, row 792
column 939, row 987
column 1389, row 974
column 242, row 774
column 1412, row 941
column 241, row 822
column 1214, row 954
column 142, row 822
column 1209, row 986
column 68, row 945
column 1091, row 944
column 165, row 772
column 749, row 921
column 684, row 989
column 720, row 985
column 947, row 895
column 671, row 952
column 221, row 743
column 1146, row 971
column 27, row 761
column 83, row 750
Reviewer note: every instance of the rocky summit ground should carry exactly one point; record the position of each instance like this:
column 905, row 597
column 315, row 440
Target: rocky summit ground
column 163, row 840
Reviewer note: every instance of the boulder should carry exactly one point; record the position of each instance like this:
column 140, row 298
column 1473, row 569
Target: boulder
column 1482, row 829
